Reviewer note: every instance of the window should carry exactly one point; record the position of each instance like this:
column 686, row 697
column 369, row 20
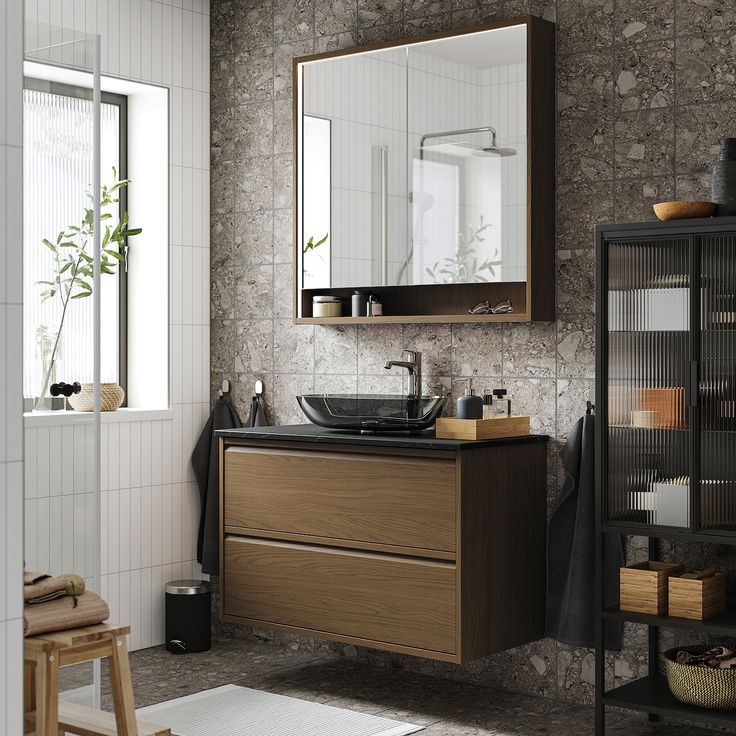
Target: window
column 57, row 165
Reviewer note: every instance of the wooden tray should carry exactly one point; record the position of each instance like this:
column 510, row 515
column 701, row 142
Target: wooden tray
column 450, row 428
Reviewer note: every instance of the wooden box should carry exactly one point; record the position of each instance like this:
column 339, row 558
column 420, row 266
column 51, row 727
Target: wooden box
column 644, row 586
column 450, row 428
column 697, row 599
column 667, row 405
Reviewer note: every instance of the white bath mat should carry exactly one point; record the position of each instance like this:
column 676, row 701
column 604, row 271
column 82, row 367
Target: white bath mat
column 239, row 711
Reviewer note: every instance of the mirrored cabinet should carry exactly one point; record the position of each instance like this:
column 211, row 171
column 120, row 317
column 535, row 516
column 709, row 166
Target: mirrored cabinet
column 667, row 376
column 424, row 178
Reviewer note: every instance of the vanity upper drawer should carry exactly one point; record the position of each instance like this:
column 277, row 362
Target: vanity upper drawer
column 361, row 595
column 383, row 499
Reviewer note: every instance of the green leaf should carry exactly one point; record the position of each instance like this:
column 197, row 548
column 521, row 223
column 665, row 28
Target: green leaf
column 82, row 283
column 49, row 245
column 81, row 294
column 133, row 231
column 117, row 256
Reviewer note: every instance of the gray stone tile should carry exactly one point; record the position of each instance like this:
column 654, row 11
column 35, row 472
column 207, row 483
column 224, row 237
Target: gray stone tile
column 253, row 26
column 283, row 67
column 379, row 12
column 434, row 341
column 254, row 292
column 424, row 8
column 336, row 17
column 253, row 75
column 293, row 347
column 585, row 84
column 293, row 20
column 700, row 16
column 698, row 131
column 576, row 346
column 335, row 41
column 328, row 383
column 645, row 75
column 287, row 387
column 694, row 186
column 252, row 238
column 376, row 345
column 585, row 149
column 633, row 198
column 253, row 346
column 706, row 68
column 580, row 207
column 529, row 350
column 477, row 348
column 283, row 236
column 471, row 14
column 282, row 181
column 425, row 25
column 252, row 130
column 222, row 197
column 283, row 292
column 335, row 349
column 254, row 184
column 380, row 33
column 644, row 143
column 572, row 395
column 283, row 134
column 583, row 26
column 575, row 281
column 535, row 398
column 643, row 20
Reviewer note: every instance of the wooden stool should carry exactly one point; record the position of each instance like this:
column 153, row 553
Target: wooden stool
column 46, row 716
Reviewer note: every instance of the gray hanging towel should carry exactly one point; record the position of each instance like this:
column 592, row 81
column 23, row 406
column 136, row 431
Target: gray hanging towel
column 257, row 416
column 571, row 604
column 206, row 464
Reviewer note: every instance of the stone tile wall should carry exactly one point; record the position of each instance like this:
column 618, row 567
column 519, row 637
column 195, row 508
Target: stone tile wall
column 645, row 89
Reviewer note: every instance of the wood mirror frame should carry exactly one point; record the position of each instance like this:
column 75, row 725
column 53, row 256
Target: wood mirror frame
column 534, row 299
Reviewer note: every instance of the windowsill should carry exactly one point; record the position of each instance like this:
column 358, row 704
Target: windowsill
column 59, row 418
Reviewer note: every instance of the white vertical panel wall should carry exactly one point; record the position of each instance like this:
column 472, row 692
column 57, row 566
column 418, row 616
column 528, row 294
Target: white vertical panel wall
column 11, row 392
column 149, row 498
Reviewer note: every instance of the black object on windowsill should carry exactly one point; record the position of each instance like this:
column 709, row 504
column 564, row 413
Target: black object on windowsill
column 65, row 389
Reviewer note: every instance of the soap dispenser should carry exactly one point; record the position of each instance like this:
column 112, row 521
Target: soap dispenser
column 470, row 406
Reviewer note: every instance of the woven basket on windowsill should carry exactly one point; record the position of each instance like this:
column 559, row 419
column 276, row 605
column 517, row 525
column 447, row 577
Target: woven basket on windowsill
column 703, row 687
column 111, row 397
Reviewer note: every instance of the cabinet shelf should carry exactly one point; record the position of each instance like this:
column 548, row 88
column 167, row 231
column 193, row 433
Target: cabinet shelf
column 722, row 625
column 652, row 695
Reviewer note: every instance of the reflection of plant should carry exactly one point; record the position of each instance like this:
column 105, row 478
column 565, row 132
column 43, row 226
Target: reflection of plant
column 72, row 269
column 463, row 267
column 311, row 245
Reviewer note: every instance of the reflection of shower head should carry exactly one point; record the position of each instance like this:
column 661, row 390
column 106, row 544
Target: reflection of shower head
column 423, row 200
column 493, row 149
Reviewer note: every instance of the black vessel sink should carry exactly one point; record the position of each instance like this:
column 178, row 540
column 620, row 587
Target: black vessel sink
column 372, row 412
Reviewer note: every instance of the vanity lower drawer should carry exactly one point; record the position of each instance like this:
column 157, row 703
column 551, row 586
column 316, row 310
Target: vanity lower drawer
column 382, row 598
column 381, row 499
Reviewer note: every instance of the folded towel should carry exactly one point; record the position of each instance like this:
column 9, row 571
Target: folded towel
column 64, row 613
column 75, row 584
column 46, row 589
column 33, row 577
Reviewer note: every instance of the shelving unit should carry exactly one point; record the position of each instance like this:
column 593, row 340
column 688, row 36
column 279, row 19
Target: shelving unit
column 691, row 442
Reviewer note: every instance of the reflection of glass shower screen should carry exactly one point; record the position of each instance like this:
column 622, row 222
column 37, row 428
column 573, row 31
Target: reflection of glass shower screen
column 435, row 214
column 316, row 203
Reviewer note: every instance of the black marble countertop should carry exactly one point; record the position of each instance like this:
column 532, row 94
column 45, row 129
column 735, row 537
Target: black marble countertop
column 417, row 440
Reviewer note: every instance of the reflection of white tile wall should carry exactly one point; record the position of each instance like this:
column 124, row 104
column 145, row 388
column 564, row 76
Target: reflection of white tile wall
column 149, row 497
column 361, row 122
column 443, row 95
column 11, row 388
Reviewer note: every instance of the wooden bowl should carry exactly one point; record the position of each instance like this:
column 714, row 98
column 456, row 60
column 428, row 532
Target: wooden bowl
column 684, row 209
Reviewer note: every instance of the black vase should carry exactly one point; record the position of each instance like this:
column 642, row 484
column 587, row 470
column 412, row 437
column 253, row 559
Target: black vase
column 724, row 179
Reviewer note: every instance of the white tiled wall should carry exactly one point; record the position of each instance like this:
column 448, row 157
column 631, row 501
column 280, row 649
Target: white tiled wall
column 149, row 499
column 11, row 417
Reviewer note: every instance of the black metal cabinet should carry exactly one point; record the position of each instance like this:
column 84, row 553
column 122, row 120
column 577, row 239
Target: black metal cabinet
column 666, row 408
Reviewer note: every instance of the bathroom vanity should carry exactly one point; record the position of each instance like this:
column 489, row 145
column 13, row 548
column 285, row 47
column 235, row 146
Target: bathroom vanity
column 404, row 543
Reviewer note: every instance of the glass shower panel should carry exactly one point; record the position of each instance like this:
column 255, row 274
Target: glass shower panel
column 649, row 362
column 718, row 384
column 62, row 305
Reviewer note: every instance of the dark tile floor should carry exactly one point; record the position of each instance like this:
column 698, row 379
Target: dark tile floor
column 446, row 708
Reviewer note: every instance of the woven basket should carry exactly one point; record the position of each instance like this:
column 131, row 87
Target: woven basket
column 111, row 397
column 700, row 686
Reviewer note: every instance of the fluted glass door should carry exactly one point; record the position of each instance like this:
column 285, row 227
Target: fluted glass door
column 649, row 363
column 717, row 446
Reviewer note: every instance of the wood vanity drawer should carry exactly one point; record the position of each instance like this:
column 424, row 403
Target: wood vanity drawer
column 354, row 595
column 380, row 499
